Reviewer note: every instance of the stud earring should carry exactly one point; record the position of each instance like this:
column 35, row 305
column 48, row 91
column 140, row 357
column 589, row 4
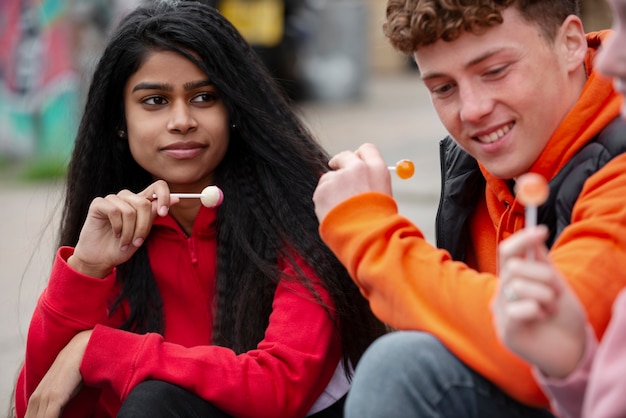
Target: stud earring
column 233, row 126
column 121, row 133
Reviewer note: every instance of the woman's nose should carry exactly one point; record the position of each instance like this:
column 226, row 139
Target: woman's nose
column 181, row 118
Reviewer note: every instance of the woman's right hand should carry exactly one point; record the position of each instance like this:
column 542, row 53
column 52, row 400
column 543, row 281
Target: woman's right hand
column 116, row 226
column 536, row 314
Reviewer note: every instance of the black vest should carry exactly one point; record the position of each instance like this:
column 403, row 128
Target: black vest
column 463, row 183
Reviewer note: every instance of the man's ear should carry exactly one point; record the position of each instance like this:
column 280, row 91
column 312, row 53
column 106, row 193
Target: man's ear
column 572, row 39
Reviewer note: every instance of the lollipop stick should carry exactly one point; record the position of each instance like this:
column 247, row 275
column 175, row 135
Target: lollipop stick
column 185, row 195
column 211, row 196
column 182, row 195
column 532, row 191
column 531, row 216
column 530, row 221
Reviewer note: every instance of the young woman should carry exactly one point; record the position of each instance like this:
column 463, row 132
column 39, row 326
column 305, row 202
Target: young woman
column 158, row 306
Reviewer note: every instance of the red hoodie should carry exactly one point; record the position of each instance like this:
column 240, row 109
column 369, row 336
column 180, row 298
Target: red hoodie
column 282, row 377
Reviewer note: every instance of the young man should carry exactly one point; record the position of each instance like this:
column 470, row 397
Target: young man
column 514, row 84
column 544, row 323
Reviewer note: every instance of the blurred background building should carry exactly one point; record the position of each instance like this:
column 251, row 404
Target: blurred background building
column 319, row 50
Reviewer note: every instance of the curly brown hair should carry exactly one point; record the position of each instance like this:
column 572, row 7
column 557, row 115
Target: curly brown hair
column 412, row 24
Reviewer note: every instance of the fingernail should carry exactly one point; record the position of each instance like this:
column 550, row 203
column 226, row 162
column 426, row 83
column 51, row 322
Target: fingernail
column 137, row 242
column 123, row 248
column 163, row 210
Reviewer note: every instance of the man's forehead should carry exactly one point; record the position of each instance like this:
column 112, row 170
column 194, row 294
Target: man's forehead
column 472, row 48
column 467, row 63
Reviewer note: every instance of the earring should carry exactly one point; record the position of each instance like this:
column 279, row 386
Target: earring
column 233, row 126
column 121, row 133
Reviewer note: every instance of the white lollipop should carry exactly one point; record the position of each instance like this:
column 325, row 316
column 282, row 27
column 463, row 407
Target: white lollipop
column 211, row 196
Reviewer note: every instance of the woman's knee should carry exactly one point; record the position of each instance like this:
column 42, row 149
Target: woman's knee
column 147, row 397
column 155, row 398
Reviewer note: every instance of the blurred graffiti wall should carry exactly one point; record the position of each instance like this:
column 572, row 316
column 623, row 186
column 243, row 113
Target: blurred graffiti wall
column 38, row 81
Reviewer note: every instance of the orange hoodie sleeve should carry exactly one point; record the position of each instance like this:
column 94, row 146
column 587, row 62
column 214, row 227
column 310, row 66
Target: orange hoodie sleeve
column 410, row 284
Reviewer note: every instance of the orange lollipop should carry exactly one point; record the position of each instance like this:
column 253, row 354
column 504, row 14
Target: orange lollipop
column 404, row 169
column 532, row 189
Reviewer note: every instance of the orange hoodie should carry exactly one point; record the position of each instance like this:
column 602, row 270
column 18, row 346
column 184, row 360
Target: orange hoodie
column 410, row 284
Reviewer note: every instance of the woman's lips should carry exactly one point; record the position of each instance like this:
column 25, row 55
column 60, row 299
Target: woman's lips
column 184, row 150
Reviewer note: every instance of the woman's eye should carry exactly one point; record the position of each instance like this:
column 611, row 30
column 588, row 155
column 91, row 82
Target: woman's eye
column 156, row 100
column 203, row 98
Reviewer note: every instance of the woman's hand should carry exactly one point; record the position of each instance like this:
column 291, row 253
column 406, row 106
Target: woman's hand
column 62, row 381
column 115, row 227
column 536, row 314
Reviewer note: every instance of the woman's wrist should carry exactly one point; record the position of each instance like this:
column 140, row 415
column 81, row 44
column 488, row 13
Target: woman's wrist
column 88, row 269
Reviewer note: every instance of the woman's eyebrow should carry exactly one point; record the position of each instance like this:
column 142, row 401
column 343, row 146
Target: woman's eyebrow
column 195, row 84
column 146, row 85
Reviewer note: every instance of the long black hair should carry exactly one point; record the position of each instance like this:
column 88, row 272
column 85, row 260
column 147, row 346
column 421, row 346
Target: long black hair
column 268, row 174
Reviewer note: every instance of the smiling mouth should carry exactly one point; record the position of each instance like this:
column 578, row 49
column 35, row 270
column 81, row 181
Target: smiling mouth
column 495, row 135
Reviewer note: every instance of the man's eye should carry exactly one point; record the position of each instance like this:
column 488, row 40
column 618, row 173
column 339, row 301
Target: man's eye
column 443, row 89
column 496, row 71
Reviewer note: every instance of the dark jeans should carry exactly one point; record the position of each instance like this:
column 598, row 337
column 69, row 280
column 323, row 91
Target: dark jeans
column 155, row 398
column 411, row 374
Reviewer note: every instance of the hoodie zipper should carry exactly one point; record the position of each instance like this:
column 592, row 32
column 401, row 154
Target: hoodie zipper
column 438, row 228
column 191, row 244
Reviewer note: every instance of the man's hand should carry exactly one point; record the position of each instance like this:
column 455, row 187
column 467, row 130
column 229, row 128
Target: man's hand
column 352, row 173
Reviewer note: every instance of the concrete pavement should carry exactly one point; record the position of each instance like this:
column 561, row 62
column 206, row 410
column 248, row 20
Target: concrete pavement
column 395, row 113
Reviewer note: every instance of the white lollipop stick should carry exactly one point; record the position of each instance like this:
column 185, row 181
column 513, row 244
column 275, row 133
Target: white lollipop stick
column 185, row 195
column 532, row 191
column 211, row 196
column 531, row 216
